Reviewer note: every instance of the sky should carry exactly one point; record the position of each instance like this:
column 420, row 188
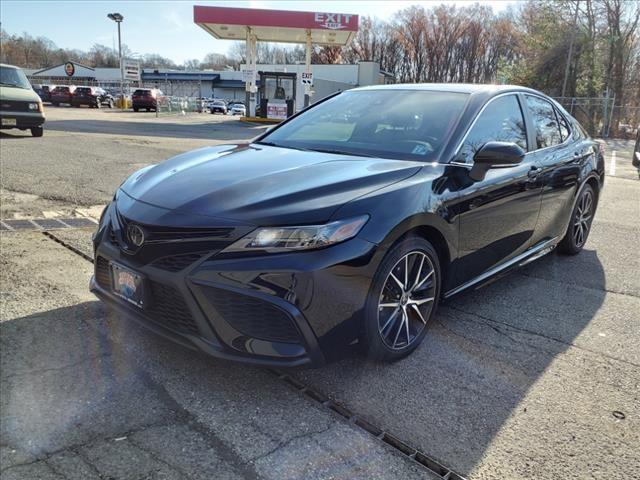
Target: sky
column 166, row 27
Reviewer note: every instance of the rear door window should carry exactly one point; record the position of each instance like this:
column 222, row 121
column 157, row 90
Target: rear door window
column 545, row 122
column 500, row 121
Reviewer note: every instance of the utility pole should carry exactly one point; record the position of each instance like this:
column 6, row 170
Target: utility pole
column 116, row 17
column 570, row 54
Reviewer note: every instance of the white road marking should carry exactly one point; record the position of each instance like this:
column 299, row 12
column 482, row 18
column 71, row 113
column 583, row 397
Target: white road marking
column 612, row 165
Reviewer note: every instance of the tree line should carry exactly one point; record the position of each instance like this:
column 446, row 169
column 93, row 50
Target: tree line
column 527, row 44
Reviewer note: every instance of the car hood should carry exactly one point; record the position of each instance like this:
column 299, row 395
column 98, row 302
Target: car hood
column 18, row 94
column 263, row 185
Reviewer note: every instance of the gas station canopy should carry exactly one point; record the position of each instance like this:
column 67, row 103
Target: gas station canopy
column 277, row 25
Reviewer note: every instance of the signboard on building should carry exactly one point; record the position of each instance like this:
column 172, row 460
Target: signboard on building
column 307, row 78
column 248, row 75
column 69, row 69
column 131, row 69
column 277, row 110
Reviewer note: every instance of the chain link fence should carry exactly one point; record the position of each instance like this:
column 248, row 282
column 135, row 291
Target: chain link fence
column 175, row 105
column 601, row 117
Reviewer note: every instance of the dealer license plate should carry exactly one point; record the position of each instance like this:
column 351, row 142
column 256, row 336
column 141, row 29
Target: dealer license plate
column 127, row 284
column 9, row 122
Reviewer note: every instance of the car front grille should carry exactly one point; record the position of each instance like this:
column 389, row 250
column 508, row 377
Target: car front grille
column 169, row 309
column 186, row 244
column 14, row 106
column 166, row 306
column 252, row 317
column 103, row 276
column 175, row 263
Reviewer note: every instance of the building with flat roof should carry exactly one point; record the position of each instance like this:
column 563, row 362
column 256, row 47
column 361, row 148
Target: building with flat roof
column 225, row 84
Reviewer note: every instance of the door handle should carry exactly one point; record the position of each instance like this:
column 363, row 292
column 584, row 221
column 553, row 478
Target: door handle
column 534, row 172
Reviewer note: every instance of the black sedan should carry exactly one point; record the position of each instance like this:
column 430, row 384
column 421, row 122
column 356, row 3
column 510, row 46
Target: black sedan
column 347, row 223
column 94, row 97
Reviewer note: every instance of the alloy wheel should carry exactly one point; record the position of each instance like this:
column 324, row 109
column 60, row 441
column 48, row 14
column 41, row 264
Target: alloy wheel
column 582, row 218
column 406, row 300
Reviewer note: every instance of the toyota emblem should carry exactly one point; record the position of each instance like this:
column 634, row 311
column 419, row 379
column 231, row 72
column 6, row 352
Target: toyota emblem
column 135, row 234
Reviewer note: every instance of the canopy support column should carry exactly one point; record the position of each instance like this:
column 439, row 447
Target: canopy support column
column 250, row 83
column 307, row 69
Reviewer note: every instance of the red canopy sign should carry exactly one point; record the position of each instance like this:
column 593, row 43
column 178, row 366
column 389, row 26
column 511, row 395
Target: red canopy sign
column 277, row 25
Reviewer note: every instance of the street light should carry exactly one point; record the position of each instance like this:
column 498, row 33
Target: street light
column 116, row 17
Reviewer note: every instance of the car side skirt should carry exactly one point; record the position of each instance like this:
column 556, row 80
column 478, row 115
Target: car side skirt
column 535, row 252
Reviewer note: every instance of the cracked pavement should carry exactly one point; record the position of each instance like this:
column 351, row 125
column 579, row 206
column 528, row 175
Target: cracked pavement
column 534, row 376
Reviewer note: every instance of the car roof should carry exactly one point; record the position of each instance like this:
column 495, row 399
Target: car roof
column 469, row 88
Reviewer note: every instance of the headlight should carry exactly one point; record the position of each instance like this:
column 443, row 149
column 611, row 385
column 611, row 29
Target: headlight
column 34, row 106
column 283, row 239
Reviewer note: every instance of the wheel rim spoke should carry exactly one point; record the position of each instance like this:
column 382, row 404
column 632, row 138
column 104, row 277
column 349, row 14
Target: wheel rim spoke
column 397, row 281
column 420, row 301
column 390, row 319
column 417, row 310
column 389, row 305
column 404, row 317
column 422, row 281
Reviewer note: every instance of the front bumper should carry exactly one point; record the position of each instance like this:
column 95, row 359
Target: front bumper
column 288, row 310
column 23, row 119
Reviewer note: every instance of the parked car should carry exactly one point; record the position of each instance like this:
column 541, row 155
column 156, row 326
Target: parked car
column 311, row 238
column 146, row 98
column 218, row 106
column 20, row 106
column 238, row 109
column 43, row 91
column 62, row 94
column 94, row 97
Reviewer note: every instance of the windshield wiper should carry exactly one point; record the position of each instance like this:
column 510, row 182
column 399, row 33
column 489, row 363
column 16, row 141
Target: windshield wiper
column 273, row 144
column 342, row 152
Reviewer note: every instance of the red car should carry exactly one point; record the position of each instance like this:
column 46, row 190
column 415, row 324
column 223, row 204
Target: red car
column 62, row 94
column 146, row 98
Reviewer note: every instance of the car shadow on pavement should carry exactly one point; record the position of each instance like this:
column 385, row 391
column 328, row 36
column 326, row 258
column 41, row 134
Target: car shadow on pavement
column 225, row 130
column 471, row 377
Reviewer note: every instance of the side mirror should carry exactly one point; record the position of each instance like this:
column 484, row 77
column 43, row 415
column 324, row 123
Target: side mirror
column 495, row 155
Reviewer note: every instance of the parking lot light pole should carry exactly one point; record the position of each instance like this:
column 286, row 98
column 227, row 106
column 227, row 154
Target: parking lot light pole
column 116, row 17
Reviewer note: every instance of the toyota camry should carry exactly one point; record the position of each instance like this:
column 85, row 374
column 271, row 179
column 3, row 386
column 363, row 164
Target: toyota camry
column 348, row 223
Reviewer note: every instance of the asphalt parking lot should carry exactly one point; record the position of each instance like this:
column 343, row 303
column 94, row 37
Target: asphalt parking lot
column 534, row 376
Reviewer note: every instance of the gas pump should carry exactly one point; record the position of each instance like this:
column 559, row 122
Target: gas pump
column 277, row 94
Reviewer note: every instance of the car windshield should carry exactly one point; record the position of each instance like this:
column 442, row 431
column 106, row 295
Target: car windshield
column 399, row 124
column 13, row 77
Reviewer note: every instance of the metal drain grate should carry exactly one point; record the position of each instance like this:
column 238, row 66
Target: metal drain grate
column 407, row 450
column 46, row 224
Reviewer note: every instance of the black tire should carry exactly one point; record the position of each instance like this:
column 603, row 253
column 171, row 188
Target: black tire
column 110, row 104
column 379, row 327
column 55, row 104
column 37, row 131
column 98, row 104
column 579, row 226
column 135, row 109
